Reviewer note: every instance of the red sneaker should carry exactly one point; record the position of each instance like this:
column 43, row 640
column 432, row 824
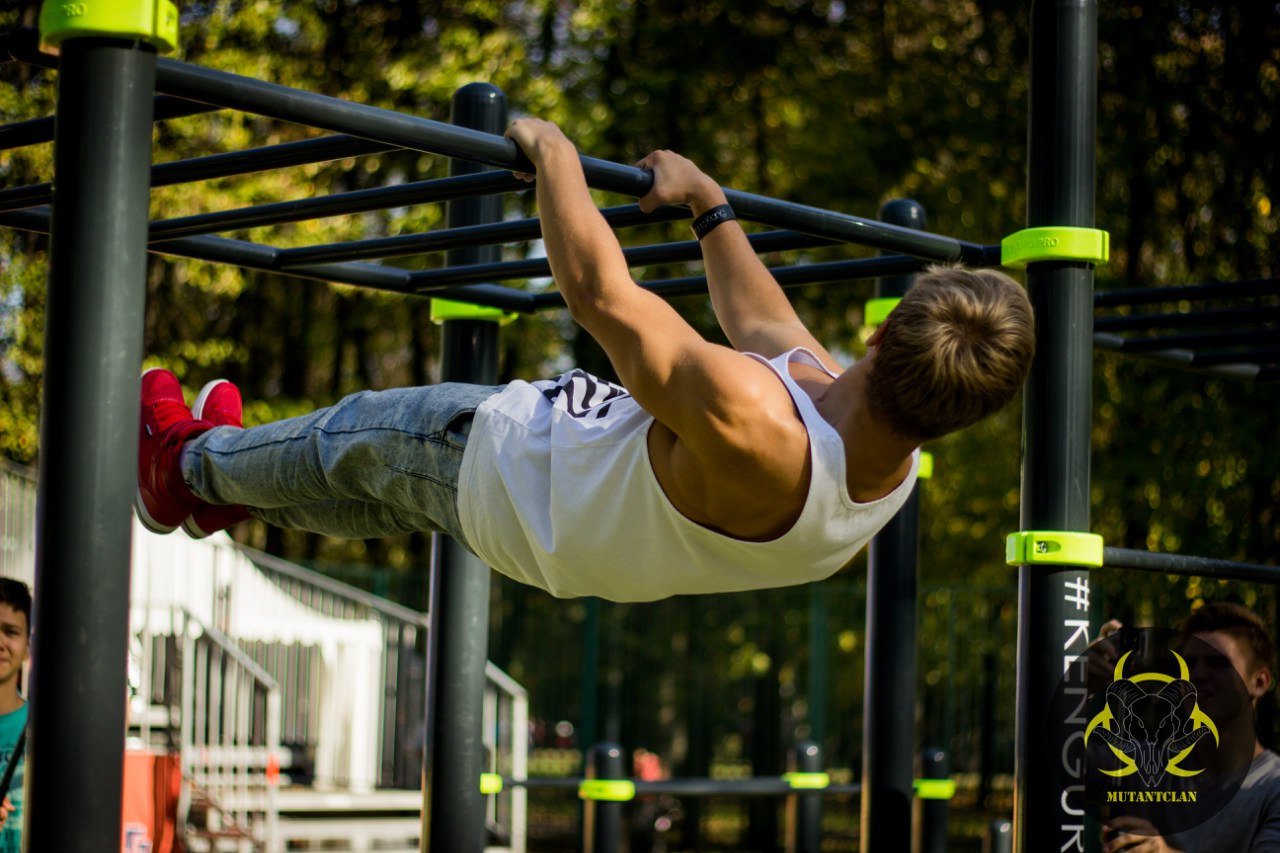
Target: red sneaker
column 218, row 403
column 163, row 499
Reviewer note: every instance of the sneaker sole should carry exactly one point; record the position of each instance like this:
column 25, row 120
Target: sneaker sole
column 140, row 508
column 193, row 530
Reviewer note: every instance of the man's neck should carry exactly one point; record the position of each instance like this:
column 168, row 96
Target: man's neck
column 877, row 459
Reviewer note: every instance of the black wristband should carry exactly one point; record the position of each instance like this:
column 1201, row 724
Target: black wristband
column 706, row 223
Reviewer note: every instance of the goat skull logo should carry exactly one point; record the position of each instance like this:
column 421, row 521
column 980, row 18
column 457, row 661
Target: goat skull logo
column 1154, row 729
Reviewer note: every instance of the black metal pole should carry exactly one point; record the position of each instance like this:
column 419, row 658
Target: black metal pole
column 1180, row 564
column 999, row 837
column 453, row 807
column 602, row 819
column 1053, row 609
column 805, row 809
column 88, row 443
column 935, row 811
column 888, row 727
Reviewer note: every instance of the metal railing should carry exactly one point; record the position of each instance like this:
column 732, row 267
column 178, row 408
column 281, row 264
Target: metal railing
column 506, row 740
column 17, row 522
column 230, row 743
column 401, row 682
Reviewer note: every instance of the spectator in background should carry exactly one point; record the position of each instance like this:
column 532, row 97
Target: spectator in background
column 1250, row 823
column 15, row 650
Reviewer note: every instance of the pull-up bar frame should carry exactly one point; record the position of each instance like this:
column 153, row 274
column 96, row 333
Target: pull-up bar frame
column 94, row 346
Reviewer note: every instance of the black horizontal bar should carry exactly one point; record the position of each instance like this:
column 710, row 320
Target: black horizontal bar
column 1182, row 358
column 1265, row 355
column 23, row 45
column 793, row 276
column 256, row 256
column 1192, row 292
column 640, row 256
column 1197, row 342
column 32, row 195
column 455, row 238
column 735, row 788
column 373, row 276
column 1152, row 561
column 221, row 165
column 336, row 115
column 699, row 787
column 1179, row 320
column 282, row 155
column 337, row 204
column 37, row 130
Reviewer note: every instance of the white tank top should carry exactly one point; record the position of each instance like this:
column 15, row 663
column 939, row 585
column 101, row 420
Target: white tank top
column 556, row 491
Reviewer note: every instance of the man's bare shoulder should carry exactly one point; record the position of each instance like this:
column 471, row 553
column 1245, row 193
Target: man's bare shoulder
column 747, row 397
column 747, row 474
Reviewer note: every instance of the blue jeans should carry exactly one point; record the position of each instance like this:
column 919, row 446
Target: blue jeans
column 374, row 464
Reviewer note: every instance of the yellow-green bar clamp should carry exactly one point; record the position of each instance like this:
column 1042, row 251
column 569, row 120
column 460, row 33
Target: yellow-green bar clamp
column 807, row 781
column 490, row 783
column 876, row 310
column 1053, row 548
column 926, row 466
column 1058, row 243
column 607, row 790
column 152, row 21
column 448, row 309
column 935, row 789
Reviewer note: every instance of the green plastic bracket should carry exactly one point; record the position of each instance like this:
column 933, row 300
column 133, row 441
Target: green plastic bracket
column 447, row 309
column 152, row 21
column 607, row 790
column 490, row 783
column 934, row 789
column 926, row 466
column 1061, row 243
column 1053, row 548
column 876, row 310
column 807, row 781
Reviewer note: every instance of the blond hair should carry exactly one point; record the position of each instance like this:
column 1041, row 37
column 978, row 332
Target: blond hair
column 956, row 349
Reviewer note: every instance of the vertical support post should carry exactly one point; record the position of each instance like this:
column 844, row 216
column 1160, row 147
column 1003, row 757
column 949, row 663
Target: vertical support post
column 1053, row 602
column 999, row 837
column 453, row 807
column 88, row 441
column 888, row 729
column 698, row 757
column 589, row 719
column 935, row 805
column 987, row 738
column 602, row 819
column 819, row 661
column 804, row 810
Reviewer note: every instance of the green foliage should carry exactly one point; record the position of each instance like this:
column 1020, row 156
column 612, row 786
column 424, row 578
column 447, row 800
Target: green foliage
column 838, row 105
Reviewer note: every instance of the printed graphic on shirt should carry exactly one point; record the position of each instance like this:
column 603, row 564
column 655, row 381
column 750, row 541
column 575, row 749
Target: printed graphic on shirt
column 583, row 395
column 1156, row 731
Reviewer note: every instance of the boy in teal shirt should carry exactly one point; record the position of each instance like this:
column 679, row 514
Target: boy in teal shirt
column 15, row 649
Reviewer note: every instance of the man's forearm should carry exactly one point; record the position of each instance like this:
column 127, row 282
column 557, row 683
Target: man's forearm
column 744, row 294
column 582, row 249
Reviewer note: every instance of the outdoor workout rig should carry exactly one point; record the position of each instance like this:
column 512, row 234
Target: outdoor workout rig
column 108, row 71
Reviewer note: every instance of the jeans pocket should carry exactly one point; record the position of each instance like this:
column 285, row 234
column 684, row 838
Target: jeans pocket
column 459, row 428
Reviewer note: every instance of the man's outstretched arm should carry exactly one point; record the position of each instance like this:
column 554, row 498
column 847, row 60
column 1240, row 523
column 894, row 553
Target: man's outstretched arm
column 692, row 386
column 752, row 309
